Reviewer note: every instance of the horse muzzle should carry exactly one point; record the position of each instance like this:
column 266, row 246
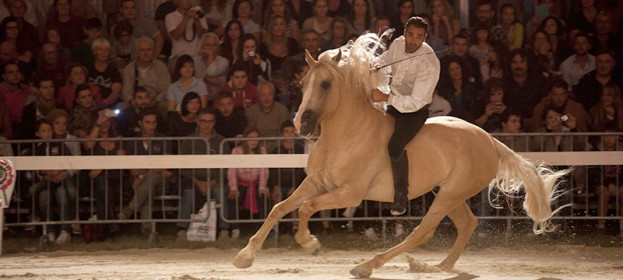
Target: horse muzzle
column 308, row 123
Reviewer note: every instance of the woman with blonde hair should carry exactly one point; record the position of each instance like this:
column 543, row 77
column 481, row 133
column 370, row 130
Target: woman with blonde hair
column 444, row 23
column 277, row 45
column 608, row 109
column 279, row 7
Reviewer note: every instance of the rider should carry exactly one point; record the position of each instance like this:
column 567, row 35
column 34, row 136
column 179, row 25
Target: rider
column 412, row 85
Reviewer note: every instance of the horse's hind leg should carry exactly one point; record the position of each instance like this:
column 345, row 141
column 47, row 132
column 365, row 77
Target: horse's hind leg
column 465, row 223
column 305, row 191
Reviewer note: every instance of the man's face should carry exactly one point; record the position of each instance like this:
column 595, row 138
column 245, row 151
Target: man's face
column 226, row 106
column 484, row 13
column 128, row 10
column 581, row 45
column 603, row 24
column 559, row 96
column 7, row 52
column 145, row 52
column 266, row 96
column 604, row 63
column 206, row 123
column 12, row 74
column 459, row 46
column 519, row 66
column 17, row 9
column 414, row 37
column 512, row 125
column 311, row 42
column 49, row 53
column 46, row 90
column 141, row 100
column 238, row 80
column 148, row 125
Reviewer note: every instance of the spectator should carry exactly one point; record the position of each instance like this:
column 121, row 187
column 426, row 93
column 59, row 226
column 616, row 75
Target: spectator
column 123, row 49
column 81, row 52
column 552, row 123
column 85, row 117
column 510, row 122
column 337, row 35
column 580, row 63
column 26, row 34
column 338, row 8
column 582, row 20
column 147, row 183
column 554, row 28
column 205, row 181
column 278, row 46
column 604, row 37
column 439, row 106
column 300, row 10
column 185, row 82
column 523, row 88
column 248, row 188
column 243, row 91
column 444, row 24
column 127, row 120
column 381, row 24
column 360, row 17
column 211, row 67
column 147, row 72
column 141, row 26
column 310, row 41
column 492, row 109
column 285, row 180
column 21, row 9
column 267, row 115
column 9, row 54
column 10, row 32
column 278, row 7
column 184, row 123
column 229, row 122
column 609, row 109
column 455, row 87
column 59, row 120
column 250, row 57
column 590, row 86
column 242, row 12
column 162, row 11
column 607, row 179
column 320, row 22
column 460, row 46
column 185, row 29
column 399, row 20
column 481, row 45
column 104, row 74
column 34, row 111
column 218, row 14
column 68, row 25
column 6, row 127
column 485, row 14
column 14, row 91
column 551, row 8
column 558, row 99
column 513, row 30
column 494, row 68
column 52, row 36
column 76, row 75
column 52, row 65
column 543, row 58
column 291, row 94
column 231, row 41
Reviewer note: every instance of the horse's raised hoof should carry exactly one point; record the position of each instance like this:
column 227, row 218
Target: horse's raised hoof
column 312, row 246
column 244, row 258
column 361, row 271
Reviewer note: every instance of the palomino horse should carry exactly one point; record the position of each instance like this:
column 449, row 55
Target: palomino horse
column 350, row 163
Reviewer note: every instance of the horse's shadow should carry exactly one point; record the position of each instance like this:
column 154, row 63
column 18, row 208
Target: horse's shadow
column 459, row 276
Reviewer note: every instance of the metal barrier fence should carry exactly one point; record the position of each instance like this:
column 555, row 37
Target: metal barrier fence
column 164, row 202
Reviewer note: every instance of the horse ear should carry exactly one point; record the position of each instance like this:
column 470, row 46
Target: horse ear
column 338, row 56
column 310, row 60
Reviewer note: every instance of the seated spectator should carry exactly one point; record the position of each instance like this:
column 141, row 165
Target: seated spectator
column 460, row 45
column 554, row 28
column 251, row 59
column 559, row 98
column 147, row 72
column 218, row 14
column 582, row 19
column 37, row 110
column 444, row 24
column 52, row 65
column 360, row 17
column 248, row 191
column 127, row 120
column 76, row 75
column 185, row 28
column 455, row 87
column 338, row 8
column 147, row 183
column 68, row 25
column 141, row 25
column 81, row 51
column 513, row 30
column 609, row 109
column 229, row 122
column 231, row 41
column 553, row 123
column 25, row 44
column 301, row 10
column 185, row 82
column 211, row 67
column 320, row 22
column 310, row 41
column 607, row 179
column 604, row 37
column 243, row 91
column 279, row 7
column 493, row 107
column 205, row 181
column 510, row 122
column 481, row 45
column 242, row 12
column 59, row 120
column 267, row 115
column 14, row 92
column 494, row 68
column 82, row 120
column 104, row 74
column 184, row 123
column 543, row 58
column 580, row 63
column 337, row 35
column 433, row 41
column 590, row 86
column 123, row 49
column 52, row 36
column 399, row 20
column 291, row 94
column 523, row 88
column 278, row 46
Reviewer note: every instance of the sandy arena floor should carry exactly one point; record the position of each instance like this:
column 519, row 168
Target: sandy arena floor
column 540, row 262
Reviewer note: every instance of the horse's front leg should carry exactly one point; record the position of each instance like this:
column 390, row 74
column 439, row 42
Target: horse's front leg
column 339, row 198
column 305, row 191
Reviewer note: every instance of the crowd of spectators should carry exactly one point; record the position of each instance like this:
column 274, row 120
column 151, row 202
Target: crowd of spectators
column 221, row 69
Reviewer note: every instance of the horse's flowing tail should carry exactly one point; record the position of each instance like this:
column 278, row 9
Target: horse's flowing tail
column 540, row 183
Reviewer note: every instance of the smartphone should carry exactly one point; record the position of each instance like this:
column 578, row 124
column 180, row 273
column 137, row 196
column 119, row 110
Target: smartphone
column 112, row 113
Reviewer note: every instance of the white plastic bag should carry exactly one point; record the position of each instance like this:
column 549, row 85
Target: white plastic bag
column 206, row 229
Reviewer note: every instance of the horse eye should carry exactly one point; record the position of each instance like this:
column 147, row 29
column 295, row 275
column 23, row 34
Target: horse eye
column 325, row 85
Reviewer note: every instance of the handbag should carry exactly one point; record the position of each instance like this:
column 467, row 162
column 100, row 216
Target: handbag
column 204, row 229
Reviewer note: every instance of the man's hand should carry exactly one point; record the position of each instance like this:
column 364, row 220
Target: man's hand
column 379, row 96
column 202, row 186
column 265, row 193
column 233, row 194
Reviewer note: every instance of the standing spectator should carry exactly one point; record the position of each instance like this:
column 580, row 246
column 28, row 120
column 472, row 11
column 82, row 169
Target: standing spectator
column 609, row 109
column 492, row 109
column 34, row 111
column 185, row 29
column 229, row 122
column 249, row 56
column 513, row 30
column 554, row 28
column 278, row 46
column 211, row 67
column 184, row 123
column 14, row 92
column 278, row 7
column 147, row 72
column 243, row 11
column 444, row 24
column 582, row 20
column 248, row 187
column 205, row 181
column 285, row 180
column 81, row 52
column 218, row 14
column 267, row 115
column 185, row 82
column 104, row 74
column 243, row 91
column 320, row 22
column 590, row 86
column 69, row 26
column 337, row 35
column 455, row 87
column 76, row 75
column 580, row 63
column 360, row 17
column 52, row 65
column 604, row 36
column 558, row 99
column 552, row 123
column 231, row 41
column 523, row 88
column 406, row 10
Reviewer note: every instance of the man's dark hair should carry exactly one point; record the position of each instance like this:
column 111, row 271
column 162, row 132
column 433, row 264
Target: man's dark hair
column 147, row 112
column 557, row 82
column 139, row 89
column 581, row 34
column 605, row 51
column 238, row 67
column 459, row 35
column 417, row 22
column 93, row 23
column 43, row 78
column 611, row 126
column 206, row 111
column 80, row 88
column 4, row 66
column 483, row 2
column 225, row 94
column 506, row 114
column 284, row 124
column 550, row 107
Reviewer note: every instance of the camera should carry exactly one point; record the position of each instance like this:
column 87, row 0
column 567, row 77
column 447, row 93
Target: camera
column 200, row 14
column 563, row 118
column 112, row 113
column 251, row 53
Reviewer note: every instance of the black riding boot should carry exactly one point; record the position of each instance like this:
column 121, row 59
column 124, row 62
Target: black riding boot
column 400, row 171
